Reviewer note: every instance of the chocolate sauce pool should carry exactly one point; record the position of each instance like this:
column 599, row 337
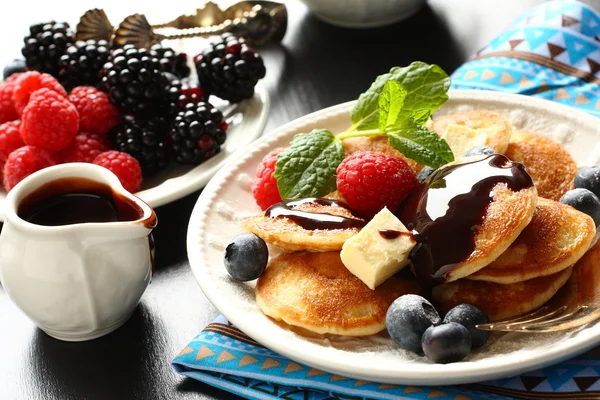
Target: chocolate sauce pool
column 444, row 212
column 313, row 221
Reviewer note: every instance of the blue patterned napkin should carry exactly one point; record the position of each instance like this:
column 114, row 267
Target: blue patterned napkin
column 553, row 52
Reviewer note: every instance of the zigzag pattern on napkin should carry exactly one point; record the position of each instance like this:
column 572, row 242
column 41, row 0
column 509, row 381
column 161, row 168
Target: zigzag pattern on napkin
column 224, row 356
column 552, row 52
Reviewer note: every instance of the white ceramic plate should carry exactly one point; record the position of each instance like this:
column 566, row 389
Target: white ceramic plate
column 227, row 199
column 246, row 123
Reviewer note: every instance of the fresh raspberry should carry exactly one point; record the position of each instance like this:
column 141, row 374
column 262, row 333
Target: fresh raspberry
column 31, row 81
column 49, row 121
column 96, row 113
column 125, row 167
column 13, row 78
column 84, row 148
column 10, row 139
column 23, row 162
column 7, row 105
column 264, row 188
column 369, row 181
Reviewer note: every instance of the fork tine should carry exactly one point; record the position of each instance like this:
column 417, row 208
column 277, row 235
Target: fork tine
column 579, row 320
column 554, row 320
column 578, row 316
column 508, row 325
column 541, row 318
column 563, row 317
column 533, row 314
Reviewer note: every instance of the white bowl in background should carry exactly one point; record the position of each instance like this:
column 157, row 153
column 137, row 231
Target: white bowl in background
column 363, row 13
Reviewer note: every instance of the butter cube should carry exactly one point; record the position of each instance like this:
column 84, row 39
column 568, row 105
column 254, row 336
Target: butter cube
column 461, row 138
column 379, row 250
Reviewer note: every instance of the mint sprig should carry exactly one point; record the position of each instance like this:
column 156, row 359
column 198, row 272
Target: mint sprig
column 397, row 105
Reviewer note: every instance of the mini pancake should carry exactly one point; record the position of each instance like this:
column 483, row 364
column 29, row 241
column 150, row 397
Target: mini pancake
column 316, row 292
column 500, row 301
column 286, row 234
column 547, row 161
column 496, row 128
column 555, row 239
column 505, row 218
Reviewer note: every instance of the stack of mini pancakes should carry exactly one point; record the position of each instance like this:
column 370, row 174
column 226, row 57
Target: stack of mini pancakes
column 525, row 248
column 540, row 260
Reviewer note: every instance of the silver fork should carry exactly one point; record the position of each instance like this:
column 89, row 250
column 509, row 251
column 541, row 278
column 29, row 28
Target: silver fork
column 576, row 304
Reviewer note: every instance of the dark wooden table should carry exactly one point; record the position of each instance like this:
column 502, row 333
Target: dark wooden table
column 316, row 66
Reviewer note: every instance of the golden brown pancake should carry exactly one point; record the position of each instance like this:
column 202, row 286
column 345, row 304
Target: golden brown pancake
column 500, row 301
column 289, row 236
column 547, row 161
column 506, row 216
column 496, row 127
column 557, row 236
column 316, row 292
column 379, row 144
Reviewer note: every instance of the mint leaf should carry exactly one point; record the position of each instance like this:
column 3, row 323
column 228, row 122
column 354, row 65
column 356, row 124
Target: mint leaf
column 420, row 116
column 308, row 167
column 390, row 104
column 421, row 144
column 426, row 86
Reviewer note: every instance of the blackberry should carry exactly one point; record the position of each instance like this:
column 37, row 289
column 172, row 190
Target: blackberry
column 134, row 81
column 82, row 62
column 190, row 93
column 44, row 46
column 173, row 62
column 198, row 133
column 229, row 69
column 171, row 104
column 144, row 140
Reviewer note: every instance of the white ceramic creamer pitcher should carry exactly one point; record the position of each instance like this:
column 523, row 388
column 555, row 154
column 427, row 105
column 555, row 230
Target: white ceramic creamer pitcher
column 81, row 281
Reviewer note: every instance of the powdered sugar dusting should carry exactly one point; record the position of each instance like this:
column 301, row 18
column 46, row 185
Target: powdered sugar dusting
column 245, row 181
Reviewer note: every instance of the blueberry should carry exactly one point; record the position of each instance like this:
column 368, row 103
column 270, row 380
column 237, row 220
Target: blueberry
column 246, row 257
column 468, row 316
column 407, row 318
column 14, row 66
column 584, row 201
column 589, row 178
column 425, row 173
column 446, row 343
column 480, row 151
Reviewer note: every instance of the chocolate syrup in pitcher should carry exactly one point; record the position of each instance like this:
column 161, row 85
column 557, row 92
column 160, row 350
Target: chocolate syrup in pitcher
column 312, row 221
column 445, row 211
column 70, row 201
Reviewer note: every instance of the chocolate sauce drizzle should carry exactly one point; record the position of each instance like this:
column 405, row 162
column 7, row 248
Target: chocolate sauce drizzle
column 313, row 221
column 445, row 211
